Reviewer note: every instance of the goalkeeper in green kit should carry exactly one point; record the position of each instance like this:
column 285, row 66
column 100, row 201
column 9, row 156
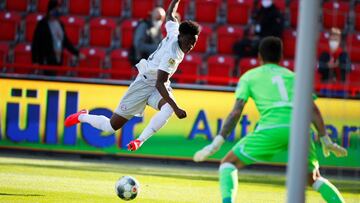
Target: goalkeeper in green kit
column 271, row 88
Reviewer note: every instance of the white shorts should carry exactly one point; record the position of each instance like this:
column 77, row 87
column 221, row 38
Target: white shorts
column 137, row 97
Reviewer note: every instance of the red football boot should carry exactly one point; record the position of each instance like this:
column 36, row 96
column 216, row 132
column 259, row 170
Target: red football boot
column 73, row 119
column 134, row 145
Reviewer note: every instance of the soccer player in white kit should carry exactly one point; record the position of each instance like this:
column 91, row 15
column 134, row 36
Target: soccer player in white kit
column 152, row 85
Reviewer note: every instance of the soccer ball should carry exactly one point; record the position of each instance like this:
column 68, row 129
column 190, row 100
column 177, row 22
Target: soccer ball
column 127, row 188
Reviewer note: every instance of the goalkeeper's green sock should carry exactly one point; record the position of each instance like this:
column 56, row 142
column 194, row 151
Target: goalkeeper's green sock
column 328, row 191
column 228, row 182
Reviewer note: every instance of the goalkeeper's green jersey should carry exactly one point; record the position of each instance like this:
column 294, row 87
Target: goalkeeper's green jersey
column 271, row 88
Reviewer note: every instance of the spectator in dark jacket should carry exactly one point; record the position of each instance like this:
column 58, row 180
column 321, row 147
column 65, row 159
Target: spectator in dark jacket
column 50, row 39
column 248, row 45
column 334, row 62
column 148, row 35
column 268, row 20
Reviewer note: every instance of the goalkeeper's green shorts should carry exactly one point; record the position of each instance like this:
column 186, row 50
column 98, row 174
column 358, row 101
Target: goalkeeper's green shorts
column 261, row 146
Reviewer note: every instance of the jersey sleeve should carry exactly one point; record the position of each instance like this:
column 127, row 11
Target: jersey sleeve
column 172, row 28
column 168, row 63
column 243, row 88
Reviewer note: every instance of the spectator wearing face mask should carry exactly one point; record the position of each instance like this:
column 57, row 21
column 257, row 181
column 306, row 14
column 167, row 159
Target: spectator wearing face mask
column 50, row 39
column 268, row 20
column 334, row 62
column 147, row 35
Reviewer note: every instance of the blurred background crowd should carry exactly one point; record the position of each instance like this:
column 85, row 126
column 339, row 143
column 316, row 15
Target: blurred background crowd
column 105, row 38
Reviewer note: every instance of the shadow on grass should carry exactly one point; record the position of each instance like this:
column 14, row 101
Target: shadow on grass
column 22, row 195
column 342, row 185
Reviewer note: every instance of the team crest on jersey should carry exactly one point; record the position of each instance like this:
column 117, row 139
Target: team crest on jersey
column 171, row 61
column 123, row 107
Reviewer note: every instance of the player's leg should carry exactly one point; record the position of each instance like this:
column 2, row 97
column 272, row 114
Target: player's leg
column 103, row 123
column 133, row 102
column 99, row 122
column 245, row 152
column 327, row 190
column 165, row 111
column 255, row 147
column 157, row 121
column 228, row 177
column 117, row 120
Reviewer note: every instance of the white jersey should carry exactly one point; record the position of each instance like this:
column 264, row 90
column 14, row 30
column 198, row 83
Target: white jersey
column 167, row 56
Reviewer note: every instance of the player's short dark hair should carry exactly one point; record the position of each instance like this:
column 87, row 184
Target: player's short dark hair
column 270, row 49
column 189, row 27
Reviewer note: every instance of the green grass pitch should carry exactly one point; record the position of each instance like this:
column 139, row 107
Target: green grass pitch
column 32, row 179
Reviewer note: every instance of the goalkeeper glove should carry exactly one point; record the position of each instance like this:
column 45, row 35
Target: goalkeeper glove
column 329, row 146
column 210, row 149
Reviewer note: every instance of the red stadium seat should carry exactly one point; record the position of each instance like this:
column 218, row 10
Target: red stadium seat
column 289, row 39
column 323, row 43
column 101, row 31
column 294, row 12
column 226, row 37
column 220, row 66
column 4, row 50
column 42, row 5
column 354, row 75
column 127, row 31
column 335, row 14
column 79, row 7
column 74, row 27
column 246, row 64
column 289, row 64
column 203, row 40
column 111, row 8
column 17, row 5
column 357, row 17
column 353, row 44
column 280, row 4
column 67, row 57
column 183, row 6
column 30, row 24
column 188, row 69
column 142, row 8
column 238, row 11
column 317, row 77
column 207, row 10
column 22, row 56
column 120, row 62
column 94, row 59
column 9, row 24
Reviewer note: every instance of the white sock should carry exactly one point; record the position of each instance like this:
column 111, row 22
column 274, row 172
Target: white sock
column 99, row 122
column 157, row 122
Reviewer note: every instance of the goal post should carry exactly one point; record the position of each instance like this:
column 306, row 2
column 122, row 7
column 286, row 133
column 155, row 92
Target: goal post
column 300, row 127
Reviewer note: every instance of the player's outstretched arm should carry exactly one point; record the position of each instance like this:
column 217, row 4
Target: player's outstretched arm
column 318, row 121
column 326, row 143
column 160, row 86
column 171, row 11
column 233, row 118
column 230, row 124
